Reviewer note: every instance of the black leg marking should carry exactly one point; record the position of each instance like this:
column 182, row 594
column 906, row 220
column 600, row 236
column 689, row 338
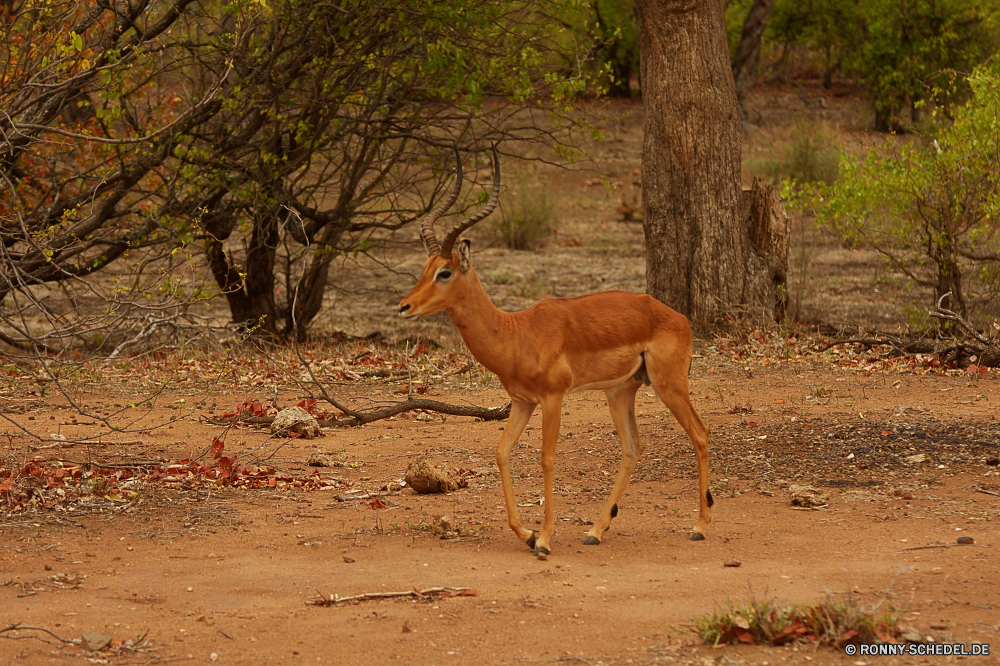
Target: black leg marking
column 708, row 495
column 531, row 541
column 695, row 536
column 614, row 511
column 591, row 541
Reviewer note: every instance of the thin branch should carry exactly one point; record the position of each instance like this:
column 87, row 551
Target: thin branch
column 949, row 315
column 17, row 626
column 333, row 600
column 361, row 418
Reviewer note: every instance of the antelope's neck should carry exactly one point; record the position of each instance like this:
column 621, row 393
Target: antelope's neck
column 486, row 329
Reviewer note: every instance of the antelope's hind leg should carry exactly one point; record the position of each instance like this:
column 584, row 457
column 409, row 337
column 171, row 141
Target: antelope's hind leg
column 520, row 413
column 669, row 379
column 621, row 400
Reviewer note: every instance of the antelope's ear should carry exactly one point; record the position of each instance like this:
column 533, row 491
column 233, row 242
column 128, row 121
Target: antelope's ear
column 464, row 254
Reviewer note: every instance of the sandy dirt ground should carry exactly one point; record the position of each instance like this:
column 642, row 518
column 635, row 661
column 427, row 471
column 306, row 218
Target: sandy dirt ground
column 192, row 571
column 172, row 565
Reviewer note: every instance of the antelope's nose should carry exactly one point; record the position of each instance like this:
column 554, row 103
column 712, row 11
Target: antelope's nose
column 404, row 309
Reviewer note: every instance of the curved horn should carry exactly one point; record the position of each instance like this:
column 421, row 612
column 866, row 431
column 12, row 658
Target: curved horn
column 427, row 224
column 449, row 241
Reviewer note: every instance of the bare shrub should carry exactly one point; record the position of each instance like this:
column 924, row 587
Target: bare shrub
column 527, row 215
column 810, row 156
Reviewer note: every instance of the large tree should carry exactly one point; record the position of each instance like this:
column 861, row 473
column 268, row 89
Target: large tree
column 712, row 250
column 260, row 139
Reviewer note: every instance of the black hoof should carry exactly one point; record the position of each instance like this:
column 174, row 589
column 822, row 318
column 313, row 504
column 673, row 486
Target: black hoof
column 531, row 541
column 591, row 541
column 541, row 553
column 695, row 536
column 614, row 511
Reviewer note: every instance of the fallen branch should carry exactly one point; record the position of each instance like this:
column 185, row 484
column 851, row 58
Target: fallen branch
column 333, row 600
column 140, row 464
column 17, row 626
column 356, row 418
column 867, row 342
column 950, row 315
column 987, row 492
column 935, row 545
column 89, row 442
column 963, row 353
column 362, row 496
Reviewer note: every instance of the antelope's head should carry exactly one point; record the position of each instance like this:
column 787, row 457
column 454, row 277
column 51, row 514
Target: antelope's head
column 448, row 267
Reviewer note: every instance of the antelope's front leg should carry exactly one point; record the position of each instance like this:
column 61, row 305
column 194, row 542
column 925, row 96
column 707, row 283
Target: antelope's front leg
column 551, row 410
column 520, row 413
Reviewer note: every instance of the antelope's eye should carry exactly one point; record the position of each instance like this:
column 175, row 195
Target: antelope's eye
column 443, row 275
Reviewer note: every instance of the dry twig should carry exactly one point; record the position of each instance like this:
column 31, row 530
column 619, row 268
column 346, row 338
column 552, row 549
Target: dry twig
column 355, row 418
column 17, row 626
column 929, row 546
column 333, row 600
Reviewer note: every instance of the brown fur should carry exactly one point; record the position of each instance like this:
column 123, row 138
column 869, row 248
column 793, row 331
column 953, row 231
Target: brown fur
column 601, row 340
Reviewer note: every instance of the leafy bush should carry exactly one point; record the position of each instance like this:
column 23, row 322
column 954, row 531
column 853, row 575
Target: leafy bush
column 898, row 49
column 931, row 207
column 828, row 29
column 618, row 53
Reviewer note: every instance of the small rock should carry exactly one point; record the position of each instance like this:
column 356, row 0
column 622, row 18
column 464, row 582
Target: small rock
column 321, row 458
column 447, row 522
column 916, row 459
column 731, row 563
column 425, row 478
column 348, row 559
column 966, row 540
column 912, row 637
column 542, row 556
column 807, row 496
column 95, row 642
column 993, row 461
column 297, row 420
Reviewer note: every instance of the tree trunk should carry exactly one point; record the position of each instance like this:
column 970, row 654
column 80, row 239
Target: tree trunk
column 705, row 258
column 748, row 52
column 259, row 279
column 307, row 299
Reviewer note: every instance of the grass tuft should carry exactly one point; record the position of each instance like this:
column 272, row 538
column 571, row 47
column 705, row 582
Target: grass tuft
column 527, row 215
column 811, row 155
column 831, row 622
